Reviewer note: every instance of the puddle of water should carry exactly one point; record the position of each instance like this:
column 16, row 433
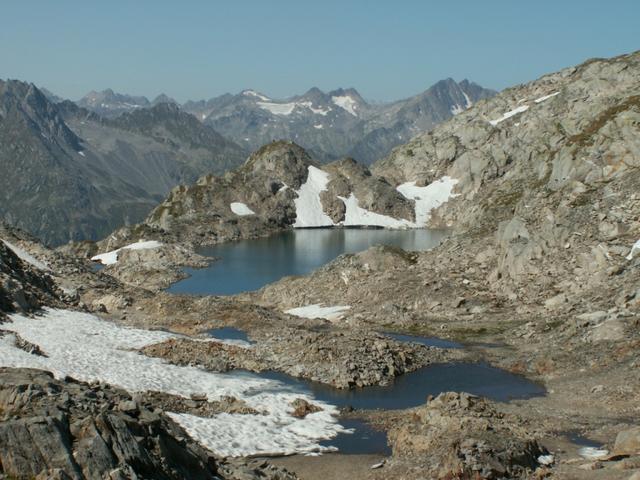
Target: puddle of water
column 96, row 266
column 228, row 333
column 582, row 441
column 428, row 341
column 364, row 440
column 248, row 265
column 412, row 389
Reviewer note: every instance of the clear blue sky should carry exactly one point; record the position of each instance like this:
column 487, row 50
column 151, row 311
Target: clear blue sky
column 386, row 49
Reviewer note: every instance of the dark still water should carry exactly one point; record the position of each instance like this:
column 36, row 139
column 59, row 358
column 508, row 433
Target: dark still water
column 250, row 264
column 411, row 389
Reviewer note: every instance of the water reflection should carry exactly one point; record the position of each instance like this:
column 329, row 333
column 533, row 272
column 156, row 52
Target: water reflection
column 250, row 264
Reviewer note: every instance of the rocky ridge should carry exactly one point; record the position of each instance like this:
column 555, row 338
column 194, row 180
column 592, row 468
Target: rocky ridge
column 268, row 188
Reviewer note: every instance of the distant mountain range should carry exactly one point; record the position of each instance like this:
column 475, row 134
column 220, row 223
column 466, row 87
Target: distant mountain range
column 69, row 174
column 329, row 125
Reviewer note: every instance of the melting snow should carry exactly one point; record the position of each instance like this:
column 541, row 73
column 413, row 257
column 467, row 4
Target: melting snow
column 546, row 97
column 309, row 211
column 346, row 103
column 509, row 114
column 241, row 209
column 634, row 249
column 429, row 197
column 357, row 216
column 110, row 258
column 26, row 256
column 592, row 453
column 318, row 311
column 87, row 348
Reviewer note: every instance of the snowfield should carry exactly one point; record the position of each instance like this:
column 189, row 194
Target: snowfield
column 429, row 197
column 26, row 256
column 278, row 108
column 346, row 103
column 357, row 216
column 318, row 311
column 241, row 209
column 90, row 349
column 309, row 211
column 111, row 257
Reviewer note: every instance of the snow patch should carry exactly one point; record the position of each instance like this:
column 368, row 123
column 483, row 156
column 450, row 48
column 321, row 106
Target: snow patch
column 357, row 216
column 319, row 127
column 26, row 256
column 593, row 453
column 634, row 249
column 456, row 109
column 546, row 97
column 253, row 93
column 81, row 153
column 546, row 459
column 90, row 349
column 111, row 258
column 241, row 209
column 317, row 111
column 468, row 101
column 346, row 103
column 278, row 108
column 509, row 114
column 318, row 311
column 429, row 197
column 309, row 211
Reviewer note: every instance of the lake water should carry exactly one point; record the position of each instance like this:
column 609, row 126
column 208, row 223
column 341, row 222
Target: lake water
column 248, row 265
column 409, row 390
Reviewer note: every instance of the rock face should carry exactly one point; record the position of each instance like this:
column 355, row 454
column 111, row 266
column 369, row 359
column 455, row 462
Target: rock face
column 72, row 430
column 457, row 435
column 69, row 175
column 23, row 286
column 279, row 187
column 77, row 431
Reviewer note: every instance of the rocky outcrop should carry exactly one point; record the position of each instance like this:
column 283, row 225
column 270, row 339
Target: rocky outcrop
column 72, row 430
column 265, row 196
column 23, row 287
column 343, row 359
column 457, row 435
column 374, row 193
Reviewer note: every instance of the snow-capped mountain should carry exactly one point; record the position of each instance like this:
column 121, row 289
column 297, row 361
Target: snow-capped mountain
column 330, row 125
column 109, row 104
column 338, row 123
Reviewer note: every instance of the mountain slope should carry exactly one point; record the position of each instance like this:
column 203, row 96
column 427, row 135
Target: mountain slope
column 70, row 175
